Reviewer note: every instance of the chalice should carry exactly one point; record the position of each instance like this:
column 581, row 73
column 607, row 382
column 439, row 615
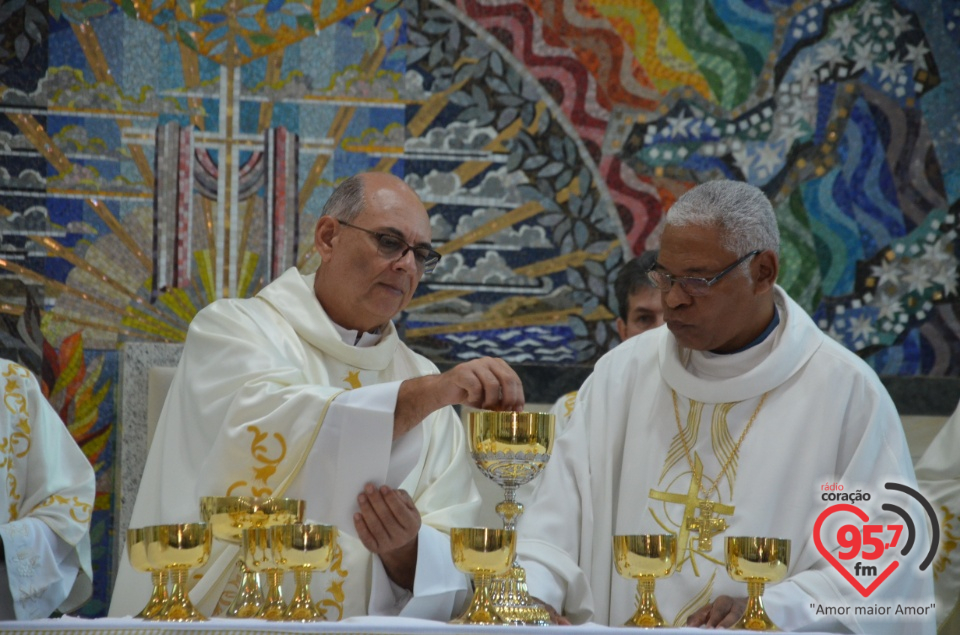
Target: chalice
column 757, row 561
column 229, row 516
column 258, row 549
column 645, row 557
column 481, row 553
column 179, row 548
column 511, row 448
column 137, row 540
column 305, row 548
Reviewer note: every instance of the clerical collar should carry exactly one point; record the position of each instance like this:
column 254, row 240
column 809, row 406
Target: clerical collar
column 360, row 339
column 774, row 323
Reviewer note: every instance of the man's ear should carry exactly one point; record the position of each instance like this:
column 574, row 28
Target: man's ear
column 621, row 329
column 766, row 264
column 323, row 236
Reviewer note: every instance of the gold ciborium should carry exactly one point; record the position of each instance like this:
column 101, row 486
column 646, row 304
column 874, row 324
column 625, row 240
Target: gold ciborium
column 229, row 516
column 757, row 561
column 305, row 548
column 645, row 557
column 137, row 540
column 258, row 549
column 482, row 553
column 179, row 548
column 511, row 448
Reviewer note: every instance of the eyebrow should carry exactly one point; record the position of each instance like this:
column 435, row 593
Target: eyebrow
column 695, row 272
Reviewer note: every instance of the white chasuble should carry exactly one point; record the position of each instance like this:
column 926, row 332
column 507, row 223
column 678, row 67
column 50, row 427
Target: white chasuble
column 938, row 473
column 46, row 502
column 269, row 400
column 659, row 443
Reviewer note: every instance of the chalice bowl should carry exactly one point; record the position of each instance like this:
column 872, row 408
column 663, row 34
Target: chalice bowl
column 258, row 549
column 511, row 448
column 305, row 548
column 229, row 516
column 645, row 557
column 757, row 561
column 482, row 553
column 179, row 548
column 137, row 540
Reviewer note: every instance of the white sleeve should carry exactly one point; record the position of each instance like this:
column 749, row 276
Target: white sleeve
column 39, row 570
column 439, row 589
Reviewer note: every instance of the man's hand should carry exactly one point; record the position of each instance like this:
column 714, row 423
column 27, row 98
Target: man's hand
column 555, row 616
column 722, row 613
column 488, row 383
column 387, row 524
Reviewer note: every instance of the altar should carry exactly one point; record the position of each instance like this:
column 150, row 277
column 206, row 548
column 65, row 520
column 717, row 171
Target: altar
column 350, row 626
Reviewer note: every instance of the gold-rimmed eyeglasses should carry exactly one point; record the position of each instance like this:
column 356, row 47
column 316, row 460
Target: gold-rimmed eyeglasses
column 393, row 247
column 692, row 285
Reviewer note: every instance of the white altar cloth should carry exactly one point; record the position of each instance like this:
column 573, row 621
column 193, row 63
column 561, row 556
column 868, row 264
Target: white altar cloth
column 350, row 626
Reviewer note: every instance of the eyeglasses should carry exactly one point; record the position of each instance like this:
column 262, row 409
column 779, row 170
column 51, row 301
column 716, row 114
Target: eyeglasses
column 693, row 286
column 394, row 248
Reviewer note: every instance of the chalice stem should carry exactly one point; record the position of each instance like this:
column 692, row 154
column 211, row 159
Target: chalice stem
column 509, row 509
column 249, row 598
column 755, row 617
column 647, row 614
column 179, row 608
column 480, row 610
column 159, row 595
column 302, row 608
column 273, row 605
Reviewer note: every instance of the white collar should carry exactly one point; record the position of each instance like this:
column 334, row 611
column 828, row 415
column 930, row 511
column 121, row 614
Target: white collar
column 356, row 338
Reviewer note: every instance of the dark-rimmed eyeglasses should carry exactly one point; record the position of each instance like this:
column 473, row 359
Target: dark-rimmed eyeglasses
column 393, row 247
column 691, row 285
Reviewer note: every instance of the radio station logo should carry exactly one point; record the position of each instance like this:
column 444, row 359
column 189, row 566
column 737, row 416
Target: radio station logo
column 864, row 551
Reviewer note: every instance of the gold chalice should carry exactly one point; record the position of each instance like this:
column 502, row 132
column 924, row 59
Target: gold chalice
column 511, row 448
column 305, row 548
column 757, row 561
column 137, row 540
column 229, row 516
column 482, row 553
column 645, row 557
column 179, row 548
column 258, row 549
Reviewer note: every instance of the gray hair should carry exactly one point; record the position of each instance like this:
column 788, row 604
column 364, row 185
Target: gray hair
column 742, row 213
column 347, row 200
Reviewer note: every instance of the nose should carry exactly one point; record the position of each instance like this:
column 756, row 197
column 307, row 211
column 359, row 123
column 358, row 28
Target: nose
column 675, row 296
column 407, row 261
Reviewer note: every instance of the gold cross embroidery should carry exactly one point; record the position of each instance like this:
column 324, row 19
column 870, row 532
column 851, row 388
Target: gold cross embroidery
column 705, row 524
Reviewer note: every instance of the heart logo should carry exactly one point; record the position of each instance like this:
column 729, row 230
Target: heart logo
column 862, row 515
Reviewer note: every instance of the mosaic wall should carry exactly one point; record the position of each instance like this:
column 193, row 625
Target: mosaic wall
column 157, row 155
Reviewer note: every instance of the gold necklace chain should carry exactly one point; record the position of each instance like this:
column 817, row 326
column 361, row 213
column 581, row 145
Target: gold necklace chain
column 736, row 448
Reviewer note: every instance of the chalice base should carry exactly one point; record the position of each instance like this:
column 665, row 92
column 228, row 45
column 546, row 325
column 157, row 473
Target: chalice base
column 510, row 600
column 479, row 611
column 755, row 617
column 249, row 598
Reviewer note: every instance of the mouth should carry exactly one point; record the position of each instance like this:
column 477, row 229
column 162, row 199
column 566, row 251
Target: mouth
column 394, row 289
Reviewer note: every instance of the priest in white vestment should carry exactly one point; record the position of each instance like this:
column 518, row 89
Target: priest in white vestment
column 306, row 391
column 938, row 474
column 735, row 420
column 47, row 504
